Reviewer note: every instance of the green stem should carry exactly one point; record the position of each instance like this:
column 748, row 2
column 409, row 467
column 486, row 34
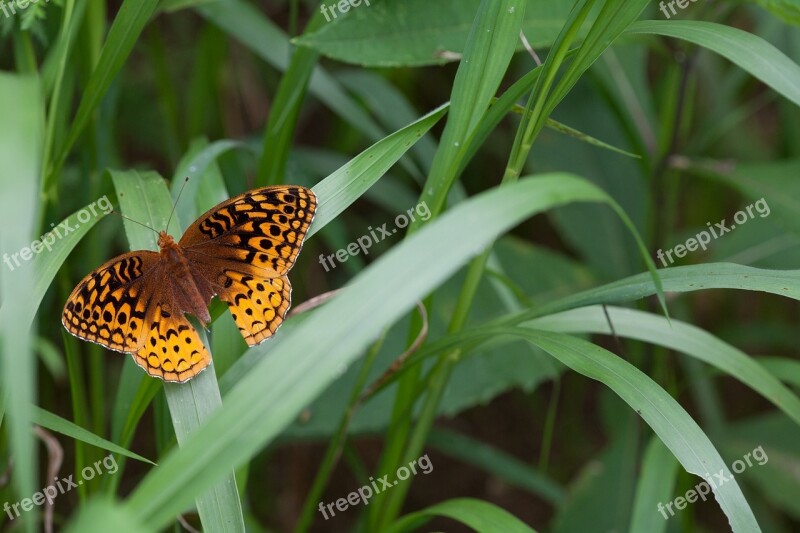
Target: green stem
column 334, row 449
column 549, row 425
column 532, row 123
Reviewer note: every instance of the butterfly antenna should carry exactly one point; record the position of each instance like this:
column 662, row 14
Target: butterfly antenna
column 176, row 202
column 134, row 221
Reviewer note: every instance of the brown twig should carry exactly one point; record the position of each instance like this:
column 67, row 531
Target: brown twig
column 314, row 302
column 529, row 48
column 55, row 455
column 398, row 363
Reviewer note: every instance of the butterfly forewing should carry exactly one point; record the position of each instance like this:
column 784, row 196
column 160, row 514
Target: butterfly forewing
column 109, row 305
column 260, row 231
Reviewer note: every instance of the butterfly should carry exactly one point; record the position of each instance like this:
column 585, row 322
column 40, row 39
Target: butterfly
column 241, row 251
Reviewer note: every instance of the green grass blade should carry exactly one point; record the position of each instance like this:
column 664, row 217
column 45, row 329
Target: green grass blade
column 748, row 51
column 656, row 485
column 145, row 197
column 678, row 279
column 669, row 420
column 124, row 32
column 336, row 192
column 489, row 49
column 414, row 33
column 65, row 427
column 681, row 337
column 479, row 515
column 787, row 370
column 282, row 121
column 21, row 147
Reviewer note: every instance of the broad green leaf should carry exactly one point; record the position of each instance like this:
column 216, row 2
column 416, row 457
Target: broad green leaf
column 479, row 515
column 248, row 25
column 748, row 51
column 419, row 32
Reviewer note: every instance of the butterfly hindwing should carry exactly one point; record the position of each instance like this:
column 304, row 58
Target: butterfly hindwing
column 172, row 350
column 109, row 305
column 258, row 305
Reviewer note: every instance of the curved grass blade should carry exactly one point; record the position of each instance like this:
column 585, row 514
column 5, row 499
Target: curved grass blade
column 677, row 279
column 678, row 336
column 748, row 51
column 479, row 515
column 336, row 192
column 65, row 427
column 669, row 420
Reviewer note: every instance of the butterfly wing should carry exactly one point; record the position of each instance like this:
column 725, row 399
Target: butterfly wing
column 172, row 350
column 109, row 305
column 125, row 305
column 242, row 250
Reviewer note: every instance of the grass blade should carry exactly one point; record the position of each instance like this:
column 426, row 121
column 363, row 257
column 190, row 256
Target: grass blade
column 21, row 147
column 145, row 197
column 479, row 515
column 65, row 427
column 748, row 51
column 124, row 32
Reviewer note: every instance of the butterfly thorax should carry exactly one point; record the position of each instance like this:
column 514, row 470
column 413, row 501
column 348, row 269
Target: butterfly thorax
column 189, row 297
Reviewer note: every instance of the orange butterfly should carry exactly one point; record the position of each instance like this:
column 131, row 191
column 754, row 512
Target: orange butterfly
column 240, row 250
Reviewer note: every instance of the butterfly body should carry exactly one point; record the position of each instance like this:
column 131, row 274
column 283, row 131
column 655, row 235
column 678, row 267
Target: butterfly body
column 191, row 299
column 239, row 251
